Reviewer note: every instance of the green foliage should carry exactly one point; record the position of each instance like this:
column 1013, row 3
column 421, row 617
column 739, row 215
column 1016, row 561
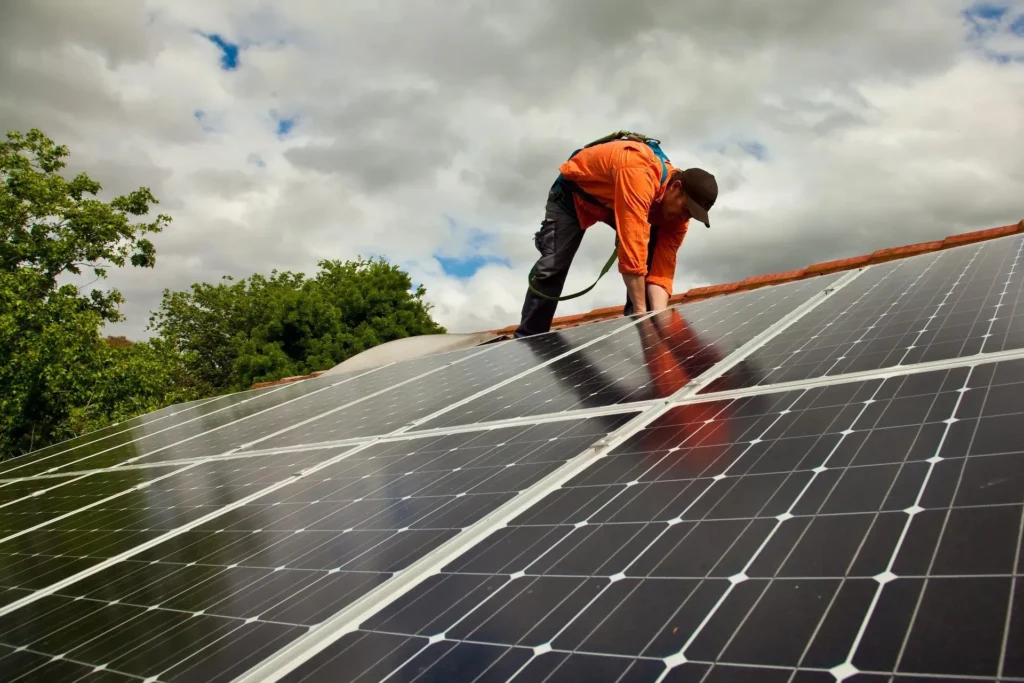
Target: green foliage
column 57, row 377
column 60, row 378
column 261, row 329
column 51, row 226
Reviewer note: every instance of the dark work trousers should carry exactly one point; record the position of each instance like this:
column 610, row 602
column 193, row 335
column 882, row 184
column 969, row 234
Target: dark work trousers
column 557, row 241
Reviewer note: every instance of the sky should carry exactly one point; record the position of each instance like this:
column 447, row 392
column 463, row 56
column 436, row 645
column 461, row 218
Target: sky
column 278, row 134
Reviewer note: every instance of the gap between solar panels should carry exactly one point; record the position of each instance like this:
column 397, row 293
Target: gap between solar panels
column 698, row 383
column 563, row 416
column 93, row 504
column 30, row 460
column 349, row 619
column 101, row 434
column 240, row 452
column 199, row 461
column 177, row 531
column 693, row 387
column 267, row 410
column 651, row 413
column 30, row 457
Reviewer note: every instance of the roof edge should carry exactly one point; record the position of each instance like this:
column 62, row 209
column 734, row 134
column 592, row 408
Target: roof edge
column 757, row 281
column 813, row 270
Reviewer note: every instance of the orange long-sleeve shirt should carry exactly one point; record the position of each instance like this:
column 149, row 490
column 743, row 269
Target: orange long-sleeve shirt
column 625, row 176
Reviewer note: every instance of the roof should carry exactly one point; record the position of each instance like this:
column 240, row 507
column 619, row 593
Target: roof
column 757, row 281
column 824, row 268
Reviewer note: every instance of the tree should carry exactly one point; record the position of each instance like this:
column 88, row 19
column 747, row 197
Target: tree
column 261, row 329
column 57, row 376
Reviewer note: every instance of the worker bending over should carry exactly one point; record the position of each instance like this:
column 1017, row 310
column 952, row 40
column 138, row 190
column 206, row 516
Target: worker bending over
column 631, row 186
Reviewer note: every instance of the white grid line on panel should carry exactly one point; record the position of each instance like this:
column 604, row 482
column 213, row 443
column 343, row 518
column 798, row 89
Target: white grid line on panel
column 485, row 349
column 177, row 531
column 39, row 492
column 865, row 375
column 680, row 656
column 1002, row 294
column 405, row 580
column 348, row 620
column 533, row 368
column 190, row 438
column 275, row 407
column 942, row 303
column 30, row 459
column 733, row 359
column 93, row 504
column 1013, row 590
column 5, row 481
column 527, row 420
column 938, row 541
column 846, row 668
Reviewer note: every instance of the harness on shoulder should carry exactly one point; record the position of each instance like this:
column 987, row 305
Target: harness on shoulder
column 655, row 146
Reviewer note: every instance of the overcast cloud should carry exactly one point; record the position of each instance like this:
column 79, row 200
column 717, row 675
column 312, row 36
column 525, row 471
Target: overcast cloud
column 281, row 133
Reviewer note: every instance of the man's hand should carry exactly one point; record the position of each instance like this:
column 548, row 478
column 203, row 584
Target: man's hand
column 635, row 289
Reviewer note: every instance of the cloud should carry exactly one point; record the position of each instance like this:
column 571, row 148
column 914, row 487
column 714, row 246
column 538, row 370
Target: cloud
column 431, row 133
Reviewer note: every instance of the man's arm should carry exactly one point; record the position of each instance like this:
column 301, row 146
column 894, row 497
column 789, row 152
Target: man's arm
column 635, row 289
column 634, row 190
column 663, row 264
column 658, row 297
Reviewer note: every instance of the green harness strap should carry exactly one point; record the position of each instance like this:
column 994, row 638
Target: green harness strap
column 607, row 266
column 622, row 134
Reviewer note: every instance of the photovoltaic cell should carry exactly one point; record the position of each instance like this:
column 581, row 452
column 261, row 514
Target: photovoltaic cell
column 389, row 411
column 656, row 359
column 871, row 526
column 167, row 415
column 229, row 429
column 13, row 491
column 937, row 306
column 211, row 602
column 85, row 537
column 160, row 438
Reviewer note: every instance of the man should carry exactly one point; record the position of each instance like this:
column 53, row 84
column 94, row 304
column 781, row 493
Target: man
column 648, row 203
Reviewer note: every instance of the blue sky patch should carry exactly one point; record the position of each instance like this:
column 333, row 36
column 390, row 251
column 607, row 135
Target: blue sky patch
column 204, row 121
column 284, row 126
column 754, row 149
column 228, row 50
column 1017, row 27
column 464, row 268
column 473, row 249
column 987, row 21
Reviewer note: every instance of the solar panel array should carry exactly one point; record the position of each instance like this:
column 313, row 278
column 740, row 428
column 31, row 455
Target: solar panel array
column 817, row 481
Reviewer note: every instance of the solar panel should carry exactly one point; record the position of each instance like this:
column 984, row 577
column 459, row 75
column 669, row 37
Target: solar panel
column 428, row 394
column 230, row 427
column 819, row 481
column 762, row 537
column 947, row 304
column 250, row 579
column 654, row 359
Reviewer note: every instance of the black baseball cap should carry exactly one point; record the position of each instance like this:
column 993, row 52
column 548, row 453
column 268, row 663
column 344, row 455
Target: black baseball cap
column 701, row 192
